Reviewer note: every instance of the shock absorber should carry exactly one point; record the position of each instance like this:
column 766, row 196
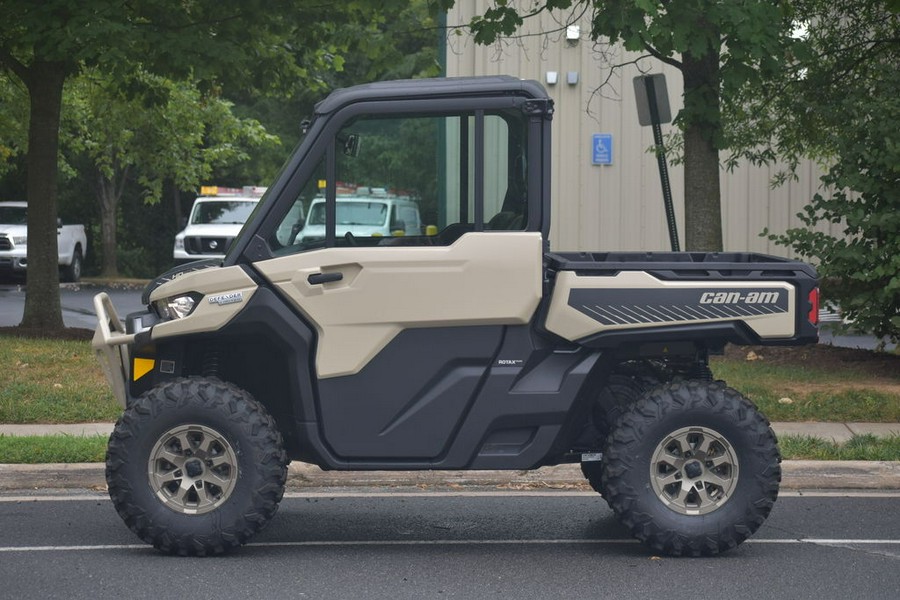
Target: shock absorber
column 700, row 368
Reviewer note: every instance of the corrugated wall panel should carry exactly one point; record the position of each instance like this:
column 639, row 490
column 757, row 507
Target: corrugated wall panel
column 619, row 206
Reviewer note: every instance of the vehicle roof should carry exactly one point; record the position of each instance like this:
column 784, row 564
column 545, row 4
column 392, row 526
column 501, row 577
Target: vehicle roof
column 225, row 199
column 405, row 89
column 357, row 198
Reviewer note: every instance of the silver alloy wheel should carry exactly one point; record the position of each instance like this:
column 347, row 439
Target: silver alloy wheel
column 694, row 470
column 192, row 469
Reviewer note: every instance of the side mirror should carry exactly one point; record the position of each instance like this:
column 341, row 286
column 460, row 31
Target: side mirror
column 183, row 222
column 58, row 222
column 295, row 230
column 351, row 145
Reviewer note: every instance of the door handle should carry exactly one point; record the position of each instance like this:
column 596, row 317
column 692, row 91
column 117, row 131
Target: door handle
column 320, row 278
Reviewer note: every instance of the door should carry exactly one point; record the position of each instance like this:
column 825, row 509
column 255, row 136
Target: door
column 409, row 324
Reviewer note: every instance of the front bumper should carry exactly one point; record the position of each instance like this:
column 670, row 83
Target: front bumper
column 183, row 255
column 12, row 261
column 111, row 346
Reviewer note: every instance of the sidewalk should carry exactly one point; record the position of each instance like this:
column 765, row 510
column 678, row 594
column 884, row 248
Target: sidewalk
column 796, row 474
column 837, row 432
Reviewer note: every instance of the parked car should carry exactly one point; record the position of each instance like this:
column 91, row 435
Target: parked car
column 216, row 219
column 366, row 213
column 71, row 240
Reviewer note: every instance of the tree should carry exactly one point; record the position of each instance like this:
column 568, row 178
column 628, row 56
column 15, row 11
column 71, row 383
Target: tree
column 13, row 115
column 43, row 44
column 178, row 133
column 840, row 102
column 721, row 48
column 398, row 39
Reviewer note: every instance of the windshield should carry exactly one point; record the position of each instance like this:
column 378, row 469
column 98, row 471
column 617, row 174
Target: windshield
column 12, row 215
column 351, row 213
column 224, row 212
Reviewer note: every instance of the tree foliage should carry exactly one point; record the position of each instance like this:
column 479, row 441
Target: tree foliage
column 840, row 102
column 13, row 117
column 269, row 46
column 172, row 132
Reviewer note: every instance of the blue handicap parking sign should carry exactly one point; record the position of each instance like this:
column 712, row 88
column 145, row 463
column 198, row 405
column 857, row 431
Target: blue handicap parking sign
column 602, row 149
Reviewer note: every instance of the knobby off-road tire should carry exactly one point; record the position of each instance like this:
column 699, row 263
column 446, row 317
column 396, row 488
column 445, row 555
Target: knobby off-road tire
column 620, row 393
column 196, row 467
column 692, row 469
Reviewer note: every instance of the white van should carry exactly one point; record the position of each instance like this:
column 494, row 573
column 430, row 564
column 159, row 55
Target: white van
column 216, row 219
column 367, row 213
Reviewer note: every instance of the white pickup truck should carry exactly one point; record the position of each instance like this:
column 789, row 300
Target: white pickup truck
column 71, row 240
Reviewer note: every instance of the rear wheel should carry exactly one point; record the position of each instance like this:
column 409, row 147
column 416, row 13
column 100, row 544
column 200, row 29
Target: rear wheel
column 72, row 272
column 196, row 466
column 620, row 393
column 692, row 469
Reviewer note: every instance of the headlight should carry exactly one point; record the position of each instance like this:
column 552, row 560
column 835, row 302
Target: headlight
column 179, row 243
column 20, row 240
column 176, row 307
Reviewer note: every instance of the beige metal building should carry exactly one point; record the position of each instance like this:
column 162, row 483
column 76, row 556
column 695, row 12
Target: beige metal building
column 617, row 206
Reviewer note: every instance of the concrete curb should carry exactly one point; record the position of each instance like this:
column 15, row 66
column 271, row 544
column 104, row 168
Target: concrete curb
column 797, row 475
column 837, row 432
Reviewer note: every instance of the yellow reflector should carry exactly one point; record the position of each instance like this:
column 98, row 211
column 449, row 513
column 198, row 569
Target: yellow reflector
column 142, row 366
column 323, row 184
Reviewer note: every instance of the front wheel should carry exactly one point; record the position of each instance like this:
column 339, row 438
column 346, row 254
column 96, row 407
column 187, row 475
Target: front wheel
column 692, row 469
column 195, row 467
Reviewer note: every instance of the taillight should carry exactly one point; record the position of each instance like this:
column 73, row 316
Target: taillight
column 814, row 306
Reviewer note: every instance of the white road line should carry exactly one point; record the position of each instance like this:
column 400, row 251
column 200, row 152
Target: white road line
column 72, row 548
column 512, row 493
column 514, row 542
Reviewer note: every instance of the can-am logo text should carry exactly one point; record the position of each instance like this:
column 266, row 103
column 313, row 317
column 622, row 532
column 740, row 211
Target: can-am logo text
column 737, row 297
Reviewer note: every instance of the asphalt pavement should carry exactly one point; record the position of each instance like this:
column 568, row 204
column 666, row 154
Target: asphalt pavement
column 383, row 544
column 77, row 300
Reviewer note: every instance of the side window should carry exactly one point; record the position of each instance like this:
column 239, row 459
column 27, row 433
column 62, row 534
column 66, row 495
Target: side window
column 411, row 180
column 303, row 227
column 505, row 174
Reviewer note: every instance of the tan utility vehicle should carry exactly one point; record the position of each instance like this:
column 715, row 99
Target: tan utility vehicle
column 468, row 345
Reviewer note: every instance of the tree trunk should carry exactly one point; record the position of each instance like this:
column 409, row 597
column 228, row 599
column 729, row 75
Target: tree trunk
column 109, row 210
column 702, row 195
column 42, row 305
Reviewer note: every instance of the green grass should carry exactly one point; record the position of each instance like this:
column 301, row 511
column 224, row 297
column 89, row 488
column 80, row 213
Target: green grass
column 52, row 449
column 815, row 394
column 860, row 447
column 52, row 381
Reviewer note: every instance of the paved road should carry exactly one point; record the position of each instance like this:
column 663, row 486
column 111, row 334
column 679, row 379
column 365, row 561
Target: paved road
column 77, row 303
column 378, row 544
